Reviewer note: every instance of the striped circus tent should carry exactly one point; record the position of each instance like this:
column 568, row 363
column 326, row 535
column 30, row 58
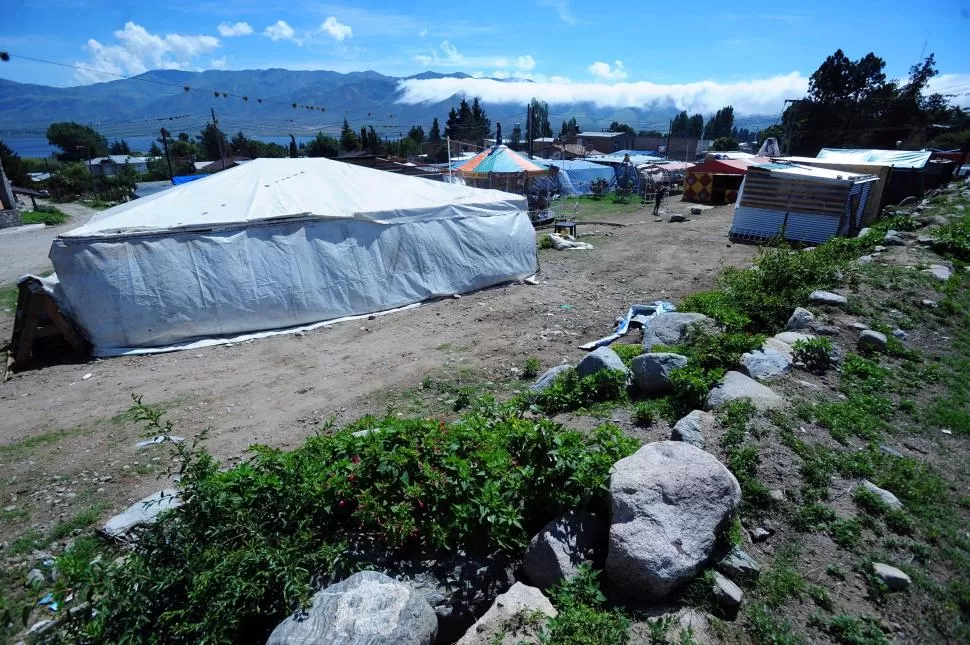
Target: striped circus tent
column 502, row 168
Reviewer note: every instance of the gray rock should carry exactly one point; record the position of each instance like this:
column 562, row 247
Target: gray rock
column 865, row 231
column 800, row 319
column 929, row 304
column 651, row 372
column 792, row 337
column 865, row 259
column 760, row 535
column 726, row 593
column 893, row 238
column 142, row 513
column 926, row 240
column 493, row 626
column 889, row 450
column 900, row 334
column 601, row 358
column 738, row 565
column 368, row 608
column 697, row 624
column 887, row 498
column 670, row 501
column 873, row 341
column 895, row 579
column 735, row 386
column 777, row 495
column 858, row 326
column 879, row 249
column 827, row 298
column 546, row 379
column 677, row 218
column 764, row 364
column 35, row 578
column 671, row 328
column 562, row 545
column 778, row 346
column 692, row 428
column 939, row 271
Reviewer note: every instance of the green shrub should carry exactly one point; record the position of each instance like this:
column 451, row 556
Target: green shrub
column 531, row 368
column 853, row 631
column 45, row 214
column 545, row 242
column 815, row 353
column 717, row 305
column 570, row 392
column 954, row 238
column 583, row 618
column 247, row 543
column 645, row 413
column 691, row 385
column 627, row 352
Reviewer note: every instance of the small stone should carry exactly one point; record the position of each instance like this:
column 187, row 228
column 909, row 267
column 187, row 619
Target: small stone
column 929, row 304
column 777, row 495
column 895, row 579
column 764, row 364
column 939, row 271
column 824, row 330
column 865, row 232
column 677, row 218
column 801, row 318
column 888, row 450
column 736, row 385
column 827, row 298
column 726, row 592
column 760, row 535
column 35, row 578
column 738, row 565
column 671, row 328
column 692, row 428
column 879, row 249
column 562, row 545
column 792, row 337
column 873, row 341
column 893, row 238
column 926, row 240
column 887, row 498
column 602, row 358
column 859, row 326
column 900, row 334
column 865, row 259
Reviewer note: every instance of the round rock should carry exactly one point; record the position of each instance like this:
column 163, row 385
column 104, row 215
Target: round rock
column 651, row 372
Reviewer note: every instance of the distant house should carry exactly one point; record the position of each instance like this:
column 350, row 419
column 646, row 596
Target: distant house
column 219, row 164
column 606, row 141
column 112, row 164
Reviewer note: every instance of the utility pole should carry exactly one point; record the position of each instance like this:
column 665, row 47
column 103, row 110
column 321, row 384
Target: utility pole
column 530, row 129
column 215, row 125
column 789, row 125
column 171, row 176
column 670, row 127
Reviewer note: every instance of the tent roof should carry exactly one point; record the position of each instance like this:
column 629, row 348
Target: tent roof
column 729, row 166
column 894, row 158
column 825, row 175
column 499, row 159
column 272, row 189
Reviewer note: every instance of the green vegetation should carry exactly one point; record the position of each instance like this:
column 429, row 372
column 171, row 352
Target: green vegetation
column 483, row 483
column 815, row 353
column 583, row 617
column 45, row 214
column 531, row 368
column 569, row 391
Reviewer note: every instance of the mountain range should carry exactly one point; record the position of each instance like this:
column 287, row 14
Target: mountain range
column 143, row 104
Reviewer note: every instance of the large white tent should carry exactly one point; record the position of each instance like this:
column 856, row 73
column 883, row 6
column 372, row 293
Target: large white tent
column 279, row 243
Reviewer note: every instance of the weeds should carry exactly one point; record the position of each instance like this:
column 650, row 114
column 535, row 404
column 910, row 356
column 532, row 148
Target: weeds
column 816, row 353
column 583, row 618
column 851, row 631
column 44, row 214
column 569, row 391
column 531, row 368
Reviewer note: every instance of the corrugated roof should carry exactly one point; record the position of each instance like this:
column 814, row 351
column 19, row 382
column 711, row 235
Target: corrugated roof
column 893, row 158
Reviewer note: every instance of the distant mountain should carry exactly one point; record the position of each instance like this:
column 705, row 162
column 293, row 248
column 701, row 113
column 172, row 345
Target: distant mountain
column 142, row 105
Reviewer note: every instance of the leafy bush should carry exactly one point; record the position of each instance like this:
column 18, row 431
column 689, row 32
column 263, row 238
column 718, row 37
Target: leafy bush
column 645, row 413
column 45, row 214
column 248, row 542
column 719, row 306
column 815, row 353
column 570, row 392
column 954, row 238
column 627, row 352
column 691, row 385
column 583, row 618
column 531, row 368
column 545, row 242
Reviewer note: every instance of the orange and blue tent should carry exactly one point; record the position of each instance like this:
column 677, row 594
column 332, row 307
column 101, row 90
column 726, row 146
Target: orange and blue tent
column 499, row 160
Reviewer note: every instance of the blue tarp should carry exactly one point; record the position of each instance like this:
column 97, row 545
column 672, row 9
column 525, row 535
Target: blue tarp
column 184, row 179
column 574, row 177
column 637, row 157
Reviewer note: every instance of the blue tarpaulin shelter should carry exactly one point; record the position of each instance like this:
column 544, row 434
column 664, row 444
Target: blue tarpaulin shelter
column 178, row 180
column 574, row 177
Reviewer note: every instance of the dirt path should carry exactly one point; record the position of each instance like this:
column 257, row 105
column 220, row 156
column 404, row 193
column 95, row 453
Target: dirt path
column 26, row 252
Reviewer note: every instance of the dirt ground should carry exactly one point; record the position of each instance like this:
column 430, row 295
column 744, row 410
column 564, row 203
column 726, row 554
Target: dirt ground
column 26, row 252
column 67, row 446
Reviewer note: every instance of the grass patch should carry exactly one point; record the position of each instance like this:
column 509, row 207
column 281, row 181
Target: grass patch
column 80, row 521
column 49, row 215
column 782, row 581
column 583, row 617
column 570, row 391
column 849, row 630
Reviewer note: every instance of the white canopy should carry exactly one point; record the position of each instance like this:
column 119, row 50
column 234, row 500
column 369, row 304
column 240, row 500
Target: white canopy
column 894, row 158
column 280, row 243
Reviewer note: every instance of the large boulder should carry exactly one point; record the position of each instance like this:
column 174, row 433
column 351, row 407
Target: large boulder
column 546, row 379
column 873, row 341
column 562, row 545
column 368, row 608
column 692, row 428
column 601, row 358
column 670, row 501
column 671, row 328
column 735, row 386
column 800, row 319
column 651, row 372
column 500, row 625
column 827, row 298
column 792, row 337
column 766, row 363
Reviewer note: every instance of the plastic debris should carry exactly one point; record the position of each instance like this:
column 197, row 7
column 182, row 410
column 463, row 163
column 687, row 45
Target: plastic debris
column 636, row 316
column 48, row 601
column 568, row 243
column 162, row 438
column 86, row 376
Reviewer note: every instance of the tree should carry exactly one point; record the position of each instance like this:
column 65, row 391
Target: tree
column 323, row 146
column 620, row 127
column 481, row 124
column 680, row 126
column 13, row 166
column 649, row 133
column 435, row 135
column 76, row 141
column 724, row 144
column 154, row 150
column 468, row 123
column 212, row 142
column 348, row 138
column 720, row 125
column 515, row 141
column 539, row 127
column 119, row 147
column 416, row 134
column 71, row 179
column 294, row 151
column 569, row 128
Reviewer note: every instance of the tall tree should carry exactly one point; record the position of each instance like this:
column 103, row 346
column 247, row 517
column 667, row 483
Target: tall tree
column 680, row 126
column 569, row 128
column 210, row 140
column 720, row 125
column 515, row 140
column 468, row 123
column 435, row 135
column 416, row 134
column 621, row 127
column 539, row 127
column 13, row 166
column 293, row 151
column 348, row 138
column 76, row 141
column 119, row 147
column 154, row 150
column 323, row 146
column 696, row 126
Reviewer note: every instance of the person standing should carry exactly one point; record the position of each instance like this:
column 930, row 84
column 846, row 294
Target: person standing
column 658, row 198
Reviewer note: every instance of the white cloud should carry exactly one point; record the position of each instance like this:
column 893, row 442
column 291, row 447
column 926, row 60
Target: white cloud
column 500, row 74
column 449, row 57
column 280, row 30
column 562, row 8
column 501, row 62
column 604, row 71
column 757, row 96
column 137, row 50
column 422, row 33
column 956, row 88
column 526, row 63
column 337, row 29
column 218, row 63
column 238, row 29
column 451, row 52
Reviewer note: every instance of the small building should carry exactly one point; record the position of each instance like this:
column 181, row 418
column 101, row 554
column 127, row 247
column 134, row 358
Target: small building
column 112, row 164
column 717, row 179
column 606, row 142
column 800, row 203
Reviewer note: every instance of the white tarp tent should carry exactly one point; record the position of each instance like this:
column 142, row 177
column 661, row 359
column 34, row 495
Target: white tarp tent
column 280, row 243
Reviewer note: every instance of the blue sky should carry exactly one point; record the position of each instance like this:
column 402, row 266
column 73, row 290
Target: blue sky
column 748, row 53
